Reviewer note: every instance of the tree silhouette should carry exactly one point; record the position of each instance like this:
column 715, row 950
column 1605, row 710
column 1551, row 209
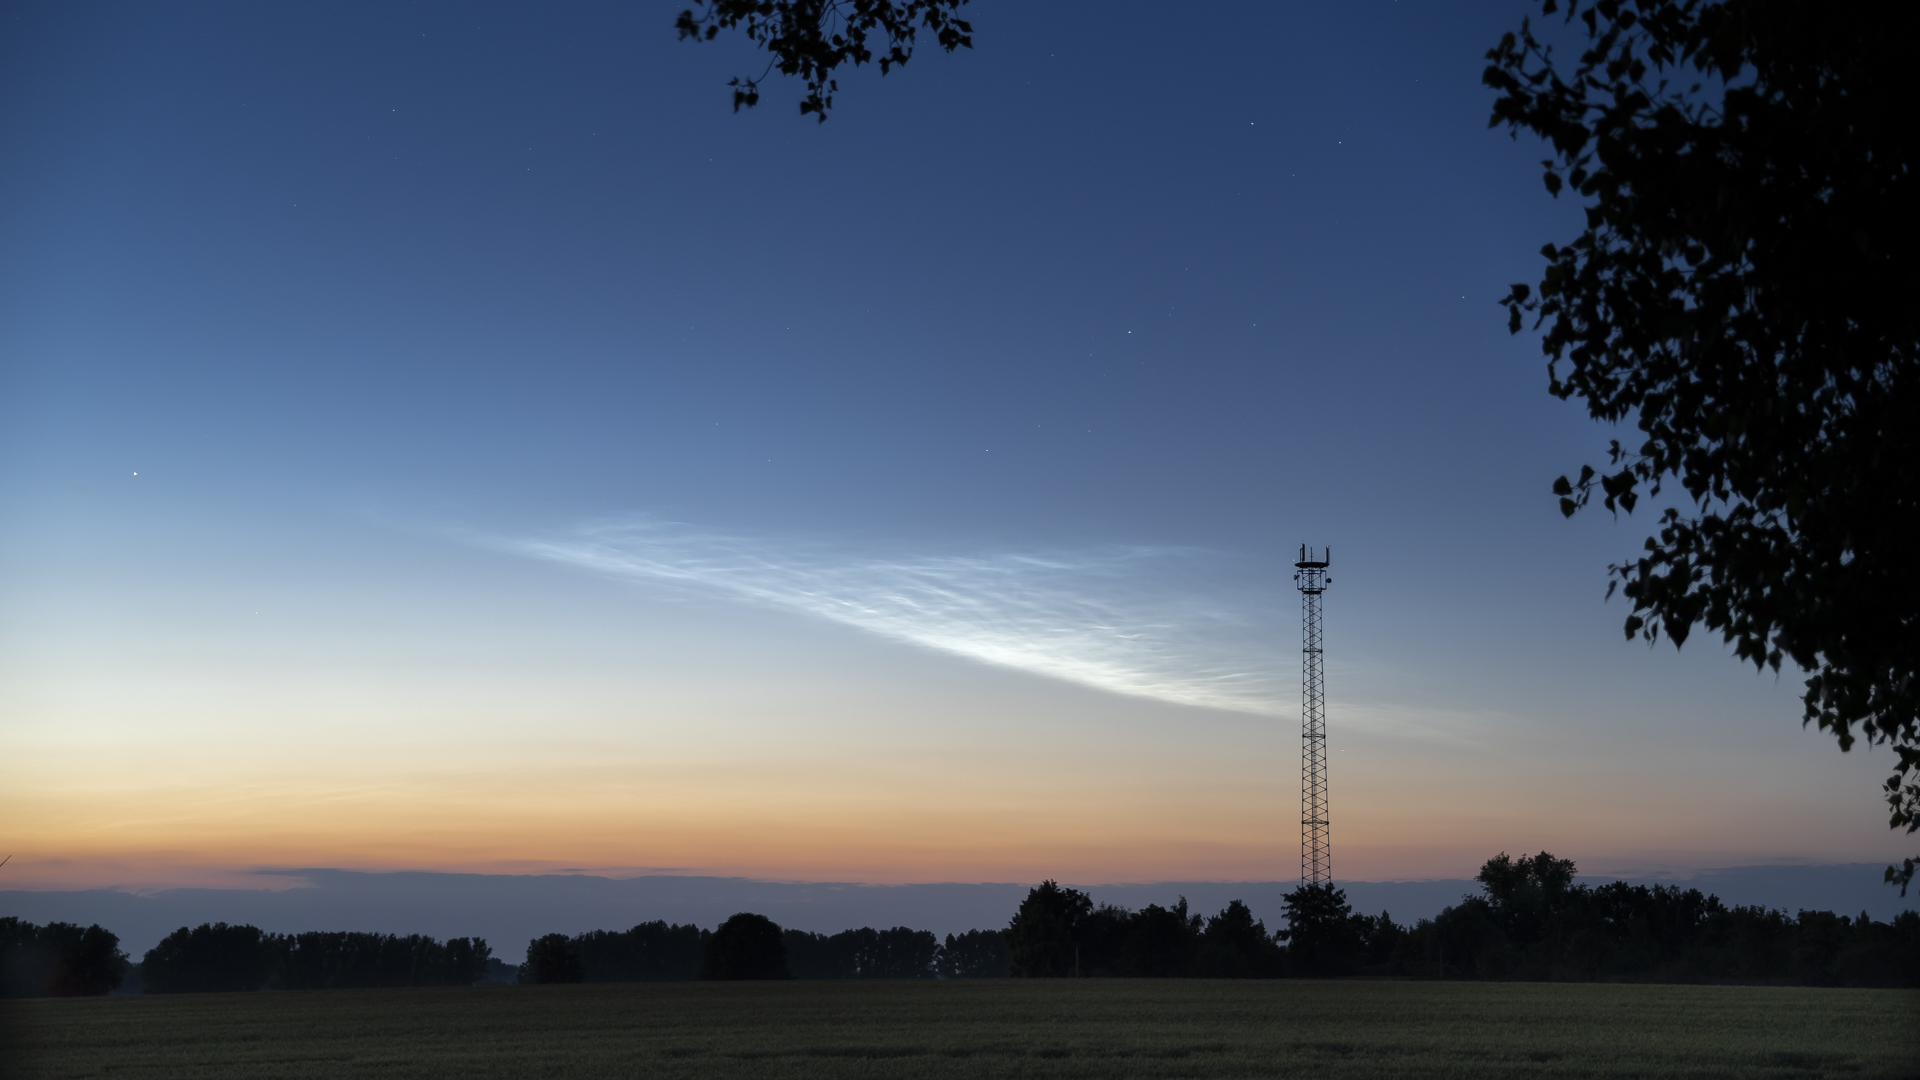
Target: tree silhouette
column 746, row 946
column 1744, row 295
column 976, row 954
column 551, row 959
column 1235, row 945
column 1322, row 935
column 58, row 960
column 1041, row 938
column 1161, row 942
column 649, row 952
column 812, row 38
column 211, row 957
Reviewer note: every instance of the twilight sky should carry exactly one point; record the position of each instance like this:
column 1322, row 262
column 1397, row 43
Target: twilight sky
column 444, row 437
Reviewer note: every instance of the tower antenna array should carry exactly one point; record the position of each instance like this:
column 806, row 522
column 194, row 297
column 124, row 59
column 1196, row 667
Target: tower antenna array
column 1316, row 849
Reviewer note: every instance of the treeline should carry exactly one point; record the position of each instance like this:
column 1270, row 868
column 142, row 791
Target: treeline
column 58, row 960
column 661, row 952
column 219, row 957
column 1059, row 932
column 1530, row 921
column 1533, row 921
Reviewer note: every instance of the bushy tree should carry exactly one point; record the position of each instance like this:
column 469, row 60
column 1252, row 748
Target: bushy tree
column 746, row 946
column 1161, row 943
column 1521, row 894
column 1743, row 295
column 1322, row 936
column 551, row 959
column 58, row 960
column 1235, row 945
column 211, row 957
column 654, row 951
column 1101, row 939
column 1041, row 938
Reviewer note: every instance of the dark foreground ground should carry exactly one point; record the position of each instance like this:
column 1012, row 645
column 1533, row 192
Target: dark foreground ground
column 997, row 1028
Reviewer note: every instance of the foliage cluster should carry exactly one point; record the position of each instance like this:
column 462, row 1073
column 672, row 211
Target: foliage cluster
column 327, row 961
column 58, row 960
column 1059, row 932
column 812, row 38
column 215, row 957
column 746, row 946
column 1743, row 294
column 866, row 953
column 976, row 954
column 650, row 952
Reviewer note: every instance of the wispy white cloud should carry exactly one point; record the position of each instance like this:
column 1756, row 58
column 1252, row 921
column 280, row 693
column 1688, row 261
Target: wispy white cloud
column 1128, row 620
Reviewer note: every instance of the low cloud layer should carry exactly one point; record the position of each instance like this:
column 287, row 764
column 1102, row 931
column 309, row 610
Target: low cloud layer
column 1129, row 620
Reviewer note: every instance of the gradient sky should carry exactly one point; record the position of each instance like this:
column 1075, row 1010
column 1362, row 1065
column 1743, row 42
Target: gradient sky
column 444, row 436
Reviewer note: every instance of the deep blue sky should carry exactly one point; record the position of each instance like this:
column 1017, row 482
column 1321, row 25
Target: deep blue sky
column 1093, row 323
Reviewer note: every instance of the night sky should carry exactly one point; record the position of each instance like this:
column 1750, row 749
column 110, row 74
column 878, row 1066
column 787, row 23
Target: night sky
column 446, row 437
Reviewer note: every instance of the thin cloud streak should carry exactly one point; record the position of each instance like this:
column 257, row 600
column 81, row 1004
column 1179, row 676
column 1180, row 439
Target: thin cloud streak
column 1111, row 618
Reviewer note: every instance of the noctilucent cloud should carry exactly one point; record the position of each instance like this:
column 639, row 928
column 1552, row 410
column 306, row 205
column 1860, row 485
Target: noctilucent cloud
column 446, row 437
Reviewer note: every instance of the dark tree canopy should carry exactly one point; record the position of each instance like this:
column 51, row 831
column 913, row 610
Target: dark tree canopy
column 1322, row 935
column 209, row 958
column 58, row 960
column 812, row 38
column 554, row 958
column 866, row 953
column 746, row 946
column 1745, row 295
column 1162, row 941
column 1041, row 939
column 976, row 954
column 1235, row 945
column 654, row 951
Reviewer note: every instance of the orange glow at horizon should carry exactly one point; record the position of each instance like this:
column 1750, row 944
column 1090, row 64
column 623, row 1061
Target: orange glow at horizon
column 783, row 815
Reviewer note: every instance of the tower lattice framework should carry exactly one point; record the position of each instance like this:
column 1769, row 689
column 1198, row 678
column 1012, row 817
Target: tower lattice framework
column 1316, row 848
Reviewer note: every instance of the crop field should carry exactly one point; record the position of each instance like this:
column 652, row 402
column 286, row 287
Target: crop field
column 997, row 1028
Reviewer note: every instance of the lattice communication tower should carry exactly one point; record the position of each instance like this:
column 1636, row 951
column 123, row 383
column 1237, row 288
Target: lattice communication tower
column 1316, row 849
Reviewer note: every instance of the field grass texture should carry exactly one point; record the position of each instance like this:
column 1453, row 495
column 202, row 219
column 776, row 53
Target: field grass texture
column 969, row 1028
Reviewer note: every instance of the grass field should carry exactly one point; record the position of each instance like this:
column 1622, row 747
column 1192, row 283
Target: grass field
column 997, row 1028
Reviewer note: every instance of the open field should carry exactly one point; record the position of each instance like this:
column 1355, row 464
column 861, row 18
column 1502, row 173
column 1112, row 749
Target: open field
column 1105, row 1028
